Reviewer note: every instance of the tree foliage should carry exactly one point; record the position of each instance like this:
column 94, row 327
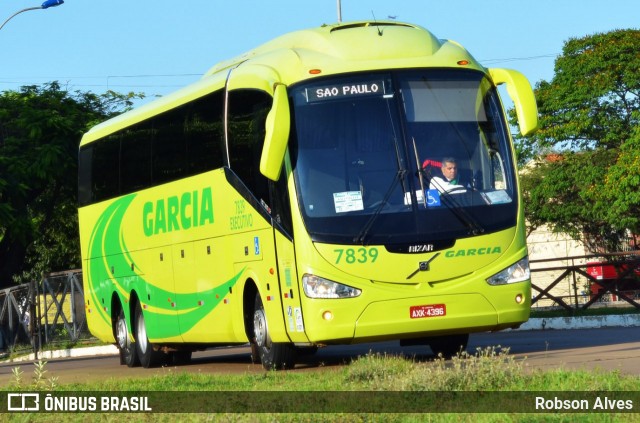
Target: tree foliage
column 589, row 115
column 621, row 191
column 40, row 130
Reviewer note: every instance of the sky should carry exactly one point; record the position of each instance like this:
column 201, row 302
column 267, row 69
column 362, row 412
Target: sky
column 156, row 47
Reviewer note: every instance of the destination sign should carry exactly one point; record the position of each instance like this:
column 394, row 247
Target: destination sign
column 332, row 92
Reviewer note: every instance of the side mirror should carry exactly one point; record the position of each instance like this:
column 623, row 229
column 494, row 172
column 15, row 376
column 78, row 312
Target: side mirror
column 277, row 127
column 521, row 94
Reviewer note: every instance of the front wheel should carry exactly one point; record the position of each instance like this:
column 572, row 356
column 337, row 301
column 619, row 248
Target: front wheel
column 148, row 357
column 273, row 355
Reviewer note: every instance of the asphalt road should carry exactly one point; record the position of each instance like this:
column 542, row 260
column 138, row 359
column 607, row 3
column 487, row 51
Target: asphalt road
column 611, row 348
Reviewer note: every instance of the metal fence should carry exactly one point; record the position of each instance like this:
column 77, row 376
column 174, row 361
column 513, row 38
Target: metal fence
column 60, row 304
column 16, row 308
column 45, row 313
column 580, row 282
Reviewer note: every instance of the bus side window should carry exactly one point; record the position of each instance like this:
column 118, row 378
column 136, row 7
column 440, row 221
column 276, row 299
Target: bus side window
column 135, row 159
column 248, row 111
column 85, row 157
column 203, row 130
column 280, row 201
column 169, row 147
column 188, row 140
column 182, row 142
column 105, row 169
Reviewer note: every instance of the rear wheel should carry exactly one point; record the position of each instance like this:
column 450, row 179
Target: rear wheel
column 126, row 347
column 449, row 345
column 273, row 355
column 148, row 357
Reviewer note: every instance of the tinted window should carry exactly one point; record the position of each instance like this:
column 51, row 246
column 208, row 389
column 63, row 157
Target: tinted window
column 181, row 142
column 105, row 169
column 169, row 146
column 248, row 111
column 204, row 133
column 135, row 159
column 85, row 158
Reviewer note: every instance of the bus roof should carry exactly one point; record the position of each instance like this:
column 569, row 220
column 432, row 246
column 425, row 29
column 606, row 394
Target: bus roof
column 352, row 46
column 310, row 53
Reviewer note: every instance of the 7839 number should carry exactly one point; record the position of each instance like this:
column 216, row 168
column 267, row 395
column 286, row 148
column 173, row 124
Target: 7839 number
column 356, row 255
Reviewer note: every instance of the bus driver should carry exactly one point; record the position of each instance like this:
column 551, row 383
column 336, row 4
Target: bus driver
column 449, row 181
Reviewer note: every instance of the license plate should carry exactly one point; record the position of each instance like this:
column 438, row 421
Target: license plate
column 432, row 310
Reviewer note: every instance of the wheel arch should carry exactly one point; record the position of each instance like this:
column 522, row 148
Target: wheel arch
column 248, row 306
column 116, row 307
column 129, row 307
column 118, row 303
column 133, row 300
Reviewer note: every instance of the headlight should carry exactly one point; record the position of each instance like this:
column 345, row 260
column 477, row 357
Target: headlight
column 317, row 287
column 517, row 272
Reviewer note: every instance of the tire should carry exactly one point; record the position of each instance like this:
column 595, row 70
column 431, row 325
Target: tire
column 449, row 345
column 146, row 354
column 273, row 355
column 126, row 347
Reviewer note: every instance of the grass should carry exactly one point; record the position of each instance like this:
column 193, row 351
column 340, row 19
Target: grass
column 373, row 381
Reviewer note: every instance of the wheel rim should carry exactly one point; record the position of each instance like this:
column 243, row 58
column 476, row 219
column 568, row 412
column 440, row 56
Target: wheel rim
column 121, row 333
column 260, row 328
column 142, row 334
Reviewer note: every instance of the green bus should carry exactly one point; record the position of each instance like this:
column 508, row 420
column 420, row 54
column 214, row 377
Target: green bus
column 294, row 197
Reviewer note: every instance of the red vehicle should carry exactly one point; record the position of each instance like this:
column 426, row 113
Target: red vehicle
column 616, row 274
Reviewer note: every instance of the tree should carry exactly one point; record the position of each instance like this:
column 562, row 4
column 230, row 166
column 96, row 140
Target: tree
column 621, row 186
column 40, row 130
column 589, row 114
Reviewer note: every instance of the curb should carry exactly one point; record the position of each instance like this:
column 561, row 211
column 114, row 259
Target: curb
column 68, row 353
column 586, row 322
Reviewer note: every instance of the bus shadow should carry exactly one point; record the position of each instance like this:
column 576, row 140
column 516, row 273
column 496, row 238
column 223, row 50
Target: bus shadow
column 330, row 356
column 516, row 343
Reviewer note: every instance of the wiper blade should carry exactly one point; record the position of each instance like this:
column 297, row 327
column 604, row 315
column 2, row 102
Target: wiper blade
column 420, row 176
column 472, row 224
column 450, row 201
column 362, row 235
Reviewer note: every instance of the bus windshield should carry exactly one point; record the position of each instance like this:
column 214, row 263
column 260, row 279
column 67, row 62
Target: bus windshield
column 402, row 157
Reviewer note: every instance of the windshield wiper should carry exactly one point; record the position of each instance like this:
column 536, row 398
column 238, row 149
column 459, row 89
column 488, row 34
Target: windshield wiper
column 399, row 176
column 472, row 224
column 420, row 176
column 449, row 200
column 362, row 235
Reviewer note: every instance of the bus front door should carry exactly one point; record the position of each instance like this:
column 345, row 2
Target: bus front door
column 289, row 288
